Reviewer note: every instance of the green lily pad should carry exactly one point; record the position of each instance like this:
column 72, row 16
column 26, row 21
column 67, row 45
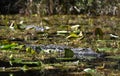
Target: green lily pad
column 68, row 53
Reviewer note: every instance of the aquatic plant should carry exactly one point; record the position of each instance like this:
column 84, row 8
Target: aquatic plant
column 68, row 53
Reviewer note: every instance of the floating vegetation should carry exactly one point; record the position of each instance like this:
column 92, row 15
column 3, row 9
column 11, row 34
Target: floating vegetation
column 60, row 43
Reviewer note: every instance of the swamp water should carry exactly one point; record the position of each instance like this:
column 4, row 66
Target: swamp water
column 17, row 60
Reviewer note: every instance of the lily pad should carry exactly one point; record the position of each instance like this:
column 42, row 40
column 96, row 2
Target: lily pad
column 68, row 53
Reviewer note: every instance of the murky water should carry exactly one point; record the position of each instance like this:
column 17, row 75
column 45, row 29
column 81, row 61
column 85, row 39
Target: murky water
column 106, row 45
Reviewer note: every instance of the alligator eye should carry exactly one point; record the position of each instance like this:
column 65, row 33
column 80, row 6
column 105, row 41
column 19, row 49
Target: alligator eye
column 83, row 49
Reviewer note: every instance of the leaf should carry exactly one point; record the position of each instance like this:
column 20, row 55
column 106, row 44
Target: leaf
column 11, row 63
column 8, row 46
column 75, row 27
column 89, row 70
column 25, row 68
column 11, row 57
column 28, row 49
column 5, row 47
column 21, row 46
column 37, row 63
column 68, row 53
column 62, row 32
column 81, row 36
column 72, row 36
column 20, row 61
column 90, row 2
column 32, row 51
column 105, row 49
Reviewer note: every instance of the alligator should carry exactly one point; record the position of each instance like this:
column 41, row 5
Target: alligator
column 37, row 28
column 78, row 52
